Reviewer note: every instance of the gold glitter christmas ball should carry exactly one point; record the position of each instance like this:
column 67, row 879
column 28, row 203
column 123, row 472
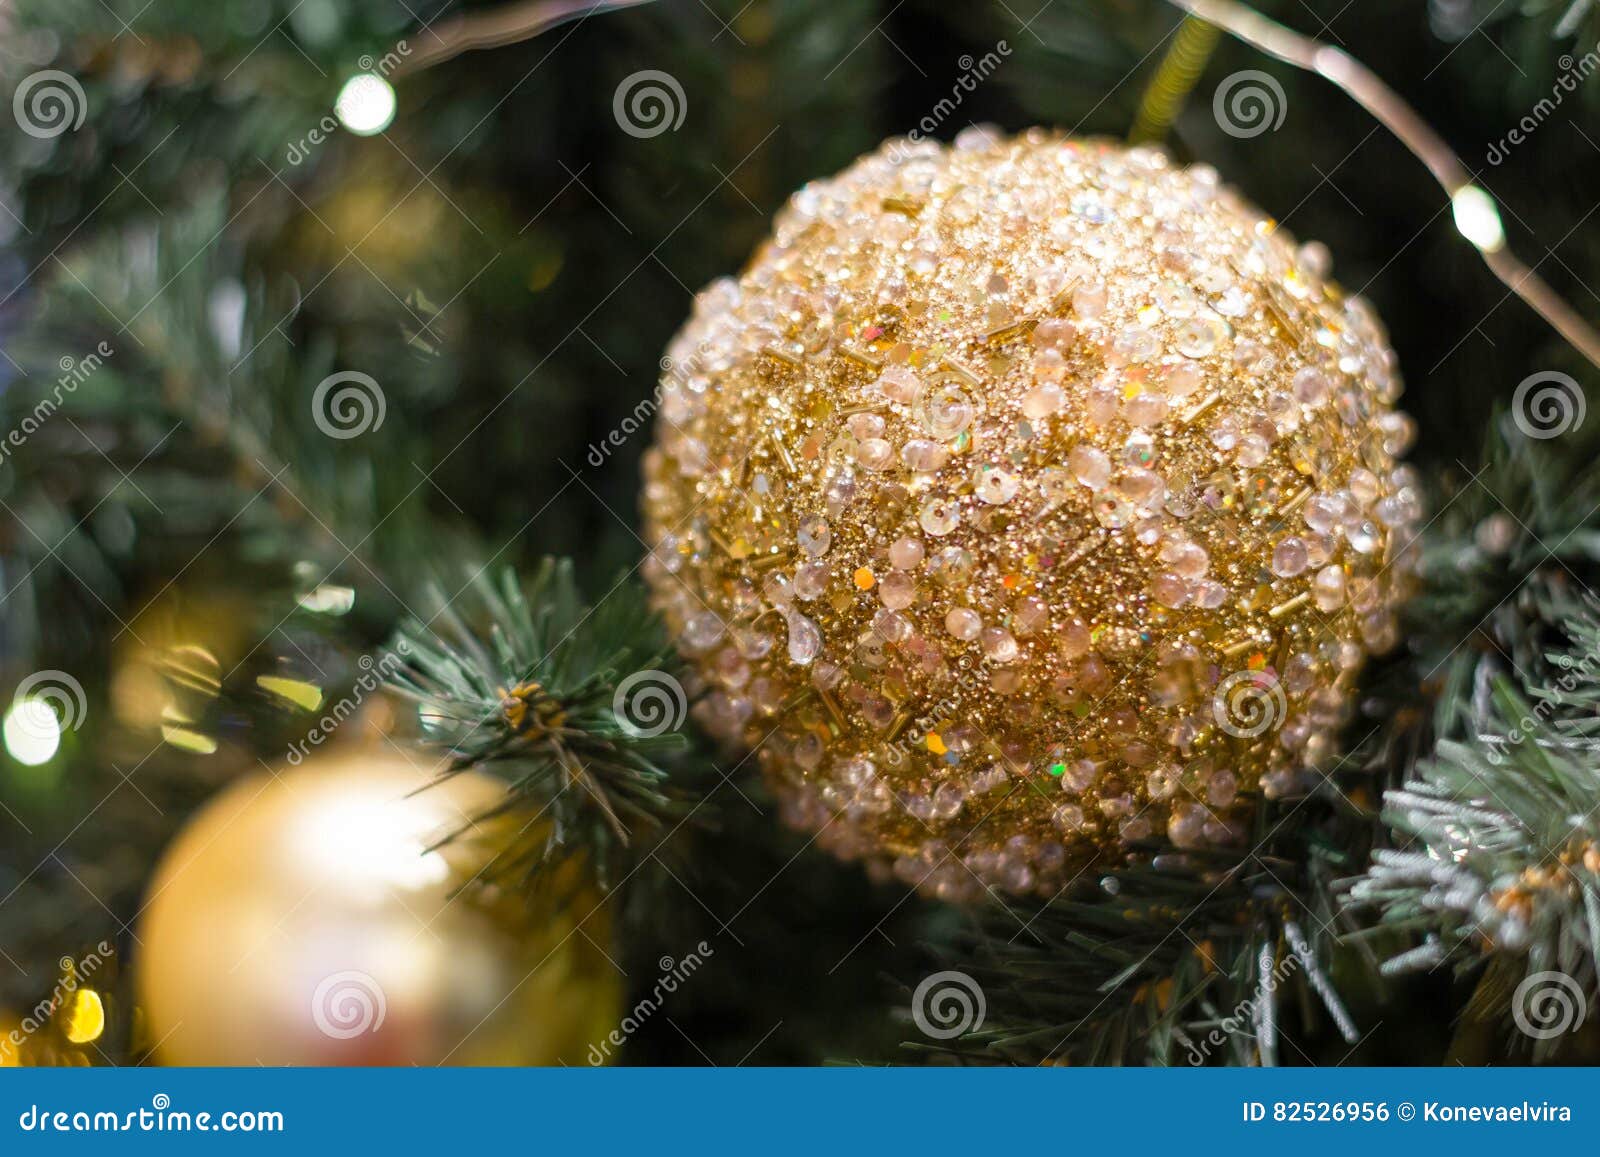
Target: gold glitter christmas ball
column 1026, row 501
column 310, row 917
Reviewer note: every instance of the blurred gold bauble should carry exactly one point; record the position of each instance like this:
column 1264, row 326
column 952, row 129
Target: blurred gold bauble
column 1026, row 500
column 301, row 919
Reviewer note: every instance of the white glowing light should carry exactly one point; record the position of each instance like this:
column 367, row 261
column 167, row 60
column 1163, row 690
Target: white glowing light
column 1477, row 218
column 376, row 846
column 366, row 104
column 32, row 731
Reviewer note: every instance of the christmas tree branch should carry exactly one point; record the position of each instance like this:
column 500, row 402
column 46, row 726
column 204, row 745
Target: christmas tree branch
column 575, row 707
column 1500, row 851
column 1181, row 959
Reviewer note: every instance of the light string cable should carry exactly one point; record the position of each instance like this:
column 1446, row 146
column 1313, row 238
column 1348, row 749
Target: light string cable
column 1476, row 216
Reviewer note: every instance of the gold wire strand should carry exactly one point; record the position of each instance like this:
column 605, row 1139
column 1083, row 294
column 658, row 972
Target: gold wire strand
column 1362, row 85
column 1174, row 79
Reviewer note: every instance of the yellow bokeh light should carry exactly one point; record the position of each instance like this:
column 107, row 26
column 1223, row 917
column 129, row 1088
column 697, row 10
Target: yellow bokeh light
column 86, row 1017
column 296, row 691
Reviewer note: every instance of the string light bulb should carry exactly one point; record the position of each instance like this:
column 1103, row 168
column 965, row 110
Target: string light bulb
column 1477, row 218
column 366, row 104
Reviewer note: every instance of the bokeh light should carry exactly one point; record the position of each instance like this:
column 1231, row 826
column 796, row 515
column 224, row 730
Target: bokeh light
column 1477, row 218
column 366, row 104
column 32, row 731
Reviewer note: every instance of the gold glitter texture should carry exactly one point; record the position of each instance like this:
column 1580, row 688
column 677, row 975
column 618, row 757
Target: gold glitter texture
column 1027, row 502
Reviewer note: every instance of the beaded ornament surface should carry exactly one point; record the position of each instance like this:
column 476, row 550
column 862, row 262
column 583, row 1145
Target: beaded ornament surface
column 1026, row 502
